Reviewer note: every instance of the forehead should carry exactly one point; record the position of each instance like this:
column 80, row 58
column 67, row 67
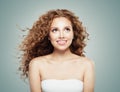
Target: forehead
column 61, row 21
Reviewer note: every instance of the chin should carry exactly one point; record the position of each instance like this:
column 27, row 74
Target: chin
column 62, row 48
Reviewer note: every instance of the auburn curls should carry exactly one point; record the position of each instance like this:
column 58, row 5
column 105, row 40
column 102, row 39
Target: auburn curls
column 36, row 42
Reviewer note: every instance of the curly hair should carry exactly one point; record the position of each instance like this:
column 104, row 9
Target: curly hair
column 36, row 42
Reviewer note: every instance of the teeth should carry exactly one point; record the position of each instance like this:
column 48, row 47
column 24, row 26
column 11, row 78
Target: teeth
column 61, row 42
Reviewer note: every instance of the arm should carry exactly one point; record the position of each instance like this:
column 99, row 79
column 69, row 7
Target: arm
column 34, row 76
column 89, row 77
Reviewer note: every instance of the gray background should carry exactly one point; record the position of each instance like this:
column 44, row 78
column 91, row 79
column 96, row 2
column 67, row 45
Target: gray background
column 102, row 21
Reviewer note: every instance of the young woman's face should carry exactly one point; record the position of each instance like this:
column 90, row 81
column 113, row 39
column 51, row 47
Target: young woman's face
column 61, row 33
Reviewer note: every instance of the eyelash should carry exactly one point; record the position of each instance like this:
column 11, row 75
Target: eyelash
column 66, row 29
column 54, row 30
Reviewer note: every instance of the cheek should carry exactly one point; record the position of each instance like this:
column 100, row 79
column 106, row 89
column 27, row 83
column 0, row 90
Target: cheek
column 52, row 37
column 71, row 36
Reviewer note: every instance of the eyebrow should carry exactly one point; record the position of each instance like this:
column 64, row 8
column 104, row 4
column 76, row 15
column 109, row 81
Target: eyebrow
column 57, row 27
column 69, row 26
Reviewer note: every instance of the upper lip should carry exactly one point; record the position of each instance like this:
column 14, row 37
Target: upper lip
column 61, row 40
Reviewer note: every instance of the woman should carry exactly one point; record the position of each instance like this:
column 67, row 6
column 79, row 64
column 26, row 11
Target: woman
column 53, row 54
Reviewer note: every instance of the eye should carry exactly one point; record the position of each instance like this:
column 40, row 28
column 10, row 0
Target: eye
column 67, row 29
column 54, row 30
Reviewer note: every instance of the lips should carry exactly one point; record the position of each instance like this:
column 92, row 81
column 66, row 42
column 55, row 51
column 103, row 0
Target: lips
column 61, row 42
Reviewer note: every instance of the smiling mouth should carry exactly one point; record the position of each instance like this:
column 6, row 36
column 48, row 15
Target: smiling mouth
column 61, row 42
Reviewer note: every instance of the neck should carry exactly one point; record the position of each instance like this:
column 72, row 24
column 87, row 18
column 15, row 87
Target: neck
column 61, row 55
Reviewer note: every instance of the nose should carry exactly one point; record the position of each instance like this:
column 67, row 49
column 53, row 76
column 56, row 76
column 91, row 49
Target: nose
column 61, row 35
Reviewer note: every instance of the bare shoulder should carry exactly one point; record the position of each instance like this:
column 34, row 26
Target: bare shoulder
column 37, row 62
column 88, row 63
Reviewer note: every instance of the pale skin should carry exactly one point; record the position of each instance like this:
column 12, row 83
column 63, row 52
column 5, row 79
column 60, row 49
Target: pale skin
column 61, row 64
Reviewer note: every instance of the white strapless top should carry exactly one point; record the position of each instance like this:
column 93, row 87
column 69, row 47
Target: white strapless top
column 68, row 85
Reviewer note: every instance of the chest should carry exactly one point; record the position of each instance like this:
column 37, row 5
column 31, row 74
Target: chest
column 62, row 68
column 63, row 71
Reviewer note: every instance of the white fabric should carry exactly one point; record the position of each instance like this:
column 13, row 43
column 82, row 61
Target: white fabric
column 69, row 85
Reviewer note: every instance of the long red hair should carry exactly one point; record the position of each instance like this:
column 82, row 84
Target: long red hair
column 36, row 42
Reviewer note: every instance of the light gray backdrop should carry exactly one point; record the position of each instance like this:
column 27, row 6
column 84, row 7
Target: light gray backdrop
column 102, row 21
